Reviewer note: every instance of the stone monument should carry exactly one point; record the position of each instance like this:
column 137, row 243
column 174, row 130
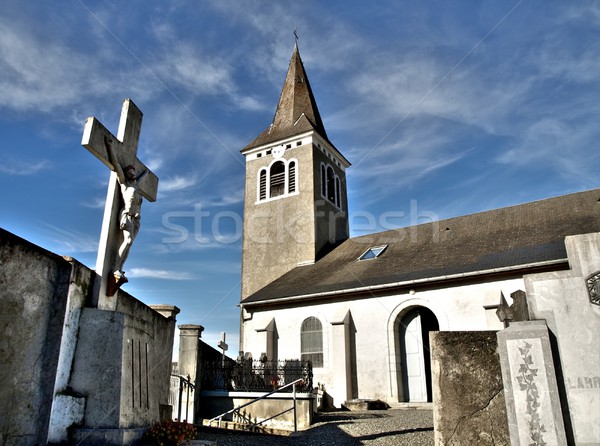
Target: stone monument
column 130, row 180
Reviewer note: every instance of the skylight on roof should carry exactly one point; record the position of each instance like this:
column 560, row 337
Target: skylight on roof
column 372, row 253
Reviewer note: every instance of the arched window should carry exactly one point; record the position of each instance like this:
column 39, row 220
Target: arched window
column 291, row 177
column 331, row 188
column 311, row 341
column 277, row 179
column 330, row 184
column 262, row 184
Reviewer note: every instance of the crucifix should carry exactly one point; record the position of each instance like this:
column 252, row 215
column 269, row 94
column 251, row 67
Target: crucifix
column 130, row 180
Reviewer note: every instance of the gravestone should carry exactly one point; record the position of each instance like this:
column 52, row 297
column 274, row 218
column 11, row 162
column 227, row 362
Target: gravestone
column 468, row 401
column 530, row 387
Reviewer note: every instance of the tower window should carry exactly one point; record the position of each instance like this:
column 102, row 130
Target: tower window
column 280, row 179
column 292, row 177
column 277, row 180
column 331, row 187
column 311, row 341
column 262, row 186
column 330, row 184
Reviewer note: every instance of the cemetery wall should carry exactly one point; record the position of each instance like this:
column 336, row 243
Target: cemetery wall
column 65, row 362
column 34, row 287
column 469, row 405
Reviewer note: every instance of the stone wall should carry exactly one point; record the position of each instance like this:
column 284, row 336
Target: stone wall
column 469, row 406
column 33, row 287
column 67, row 363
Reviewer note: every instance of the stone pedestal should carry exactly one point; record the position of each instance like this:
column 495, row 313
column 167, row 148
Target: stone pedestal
column 530, row 388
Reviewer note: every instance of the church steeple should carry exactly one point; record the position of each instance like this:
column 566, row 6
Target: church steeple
column 296, row 111
column 295, row 205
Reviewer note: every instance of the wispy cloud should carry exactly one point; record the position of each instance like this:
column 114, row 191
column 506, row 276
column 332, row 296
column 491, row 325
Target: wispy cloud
column 70, row 242
column 148, row 273
column 96, row 203
column 42, row 73
column 176, row 183
column 21, row 168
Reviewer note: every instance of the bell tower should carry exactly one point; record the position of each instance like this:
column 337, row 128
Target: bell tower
column 295, row 202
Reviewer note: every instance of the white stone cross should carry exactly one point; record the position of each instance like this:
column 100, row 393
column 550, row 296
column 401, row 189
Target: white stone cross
column 100, row 142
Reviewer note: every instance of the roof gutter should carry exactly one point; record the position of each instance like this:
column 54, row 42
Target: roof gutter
column 405, row 283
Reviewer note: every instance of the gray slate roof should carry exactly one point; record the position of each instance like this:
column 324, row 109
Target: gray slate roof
column 503, row 238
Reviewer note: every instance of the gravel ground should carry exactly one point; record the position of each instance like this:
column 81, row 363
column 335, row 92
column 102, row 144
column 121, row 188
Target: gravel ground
column 394, row 427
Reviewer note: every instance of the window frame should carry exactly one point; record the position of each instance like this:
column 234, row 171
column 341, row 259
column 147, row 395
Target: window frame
column 263, row 181
column 380, row 250
column 334, row 196
column 319, row 352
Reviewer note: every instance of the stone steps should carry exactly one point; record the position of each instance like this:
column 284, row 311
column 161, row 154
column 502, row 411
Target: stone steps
column 243, row 427
column 413, row 406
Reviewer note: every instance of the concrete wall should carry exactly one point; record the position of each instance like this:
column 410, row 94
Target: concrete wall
column 375, row 321
column 122, row 364
column 469, row 406
column 65, row 362
column 33, row 290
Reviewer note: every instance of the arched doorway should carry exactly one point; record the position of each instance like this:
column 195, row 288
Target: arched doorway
column 415, row 370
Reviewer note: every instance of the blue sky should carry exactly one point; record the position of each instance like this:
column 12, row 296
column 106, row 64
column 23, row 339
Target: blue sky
column 444, row 109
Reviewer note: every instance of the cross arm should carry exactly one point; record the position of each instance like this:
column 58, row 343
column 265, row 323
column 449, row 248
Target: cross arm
column 93, row 140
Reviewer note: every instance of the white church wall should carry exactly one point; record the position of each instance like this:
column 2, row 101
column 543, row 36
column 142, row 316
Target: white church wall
column 375, row 351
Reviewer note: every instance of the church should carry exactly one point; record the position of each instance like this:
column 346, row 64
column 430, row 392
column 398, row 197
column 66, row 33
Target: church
column 360, row 309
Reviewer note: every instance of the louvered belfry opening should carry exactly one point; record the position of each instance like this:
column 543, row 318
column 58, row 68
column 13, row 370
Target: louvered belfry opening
column 292, row 177
column 277, row 186
column 262, row 194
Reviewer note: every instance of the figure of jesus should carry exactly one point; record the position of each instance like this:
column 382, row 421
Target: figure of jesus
column 129, row 217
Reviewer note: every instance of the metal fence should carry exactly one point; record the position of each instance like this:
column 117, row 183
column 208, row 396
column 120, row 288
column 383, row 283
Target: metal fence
column 248, row 375
column 181, row 398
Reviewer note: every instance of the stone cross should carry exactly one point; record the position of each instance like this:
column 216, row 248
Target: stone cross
column 517, row 312
column 98, row 140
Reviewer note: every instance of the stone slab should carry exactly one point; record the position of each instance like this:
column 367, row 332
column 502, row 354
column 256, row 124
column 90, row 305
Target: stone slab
column 468, row 402
column 530, row 388
column 363, row 404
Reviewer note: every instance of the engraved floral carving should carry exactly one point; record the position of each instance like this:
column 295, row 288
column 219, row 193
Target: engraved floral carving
column 526, row 380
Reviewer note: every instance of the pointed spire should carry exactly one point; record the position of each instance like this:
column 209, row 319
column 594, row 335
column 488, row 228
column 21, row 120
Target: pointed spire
column 297, row 110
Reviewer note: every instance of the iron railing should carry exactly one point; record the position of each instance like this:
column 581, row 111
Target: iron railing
column 247, row 422
column 181, row 397
column 246, row 375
